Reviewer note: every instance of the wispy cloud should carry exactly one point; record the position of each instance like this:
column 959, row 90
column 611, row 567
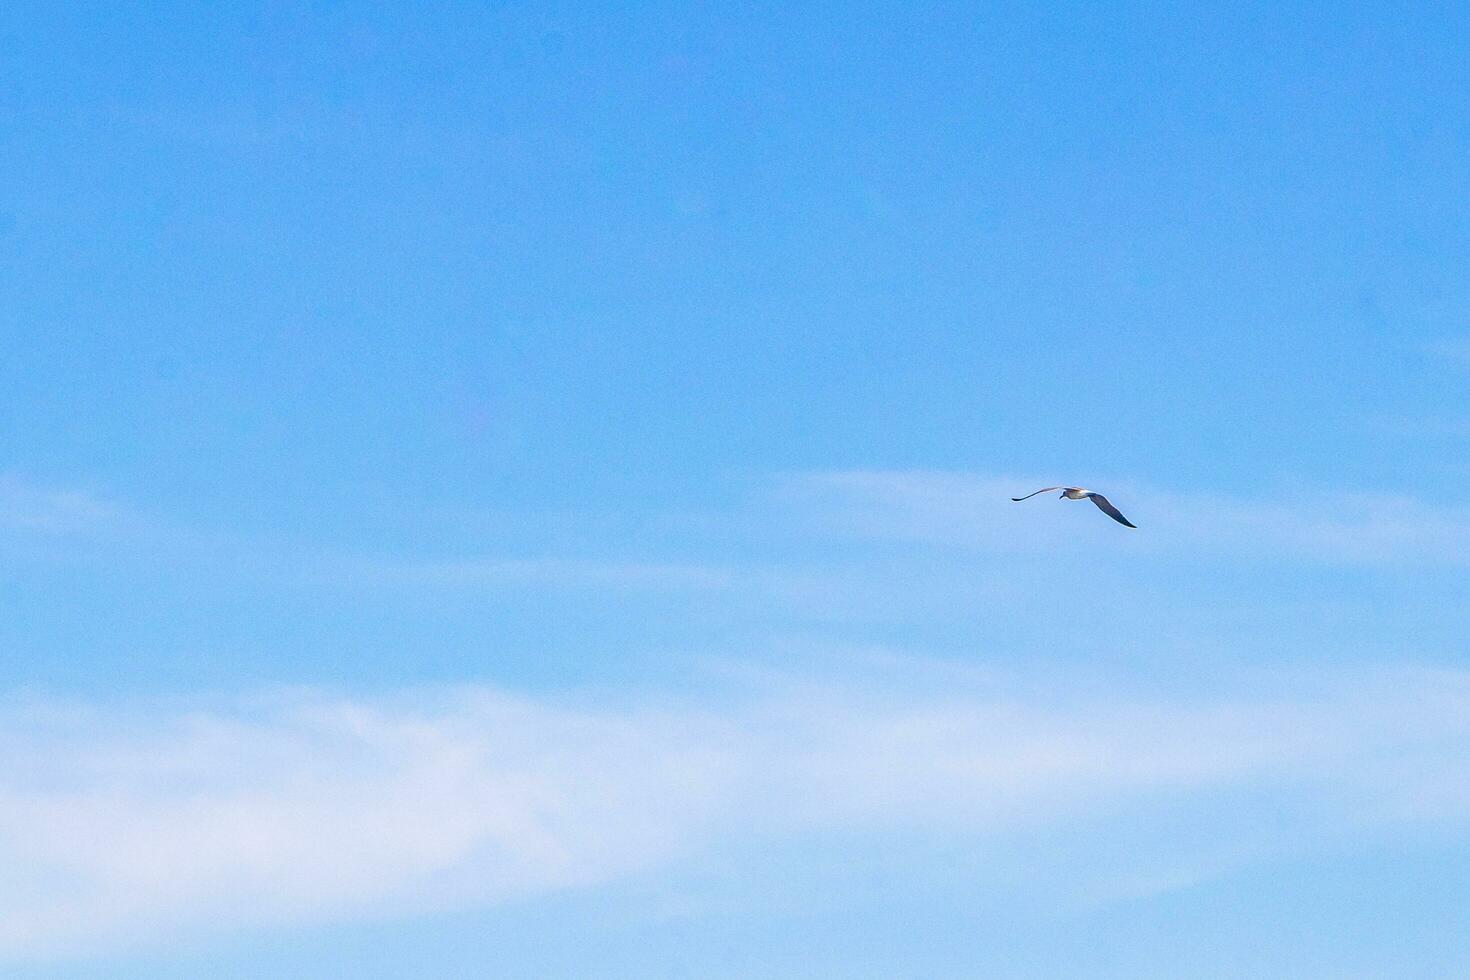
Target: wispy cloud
column 132, row 824
column 967, row 510
column 82, row 526
column 776, row 551
column 27, row 507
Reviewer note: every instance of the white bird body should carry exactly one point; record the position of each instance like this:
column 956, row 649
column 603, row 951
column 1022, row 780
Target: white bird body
column 1080, row 493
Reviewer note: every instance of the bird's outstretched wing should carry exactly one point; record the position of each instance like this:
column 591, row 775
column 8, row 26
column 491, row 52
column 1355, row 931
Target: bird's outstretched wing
column 1042, row 490
column 1106, row 506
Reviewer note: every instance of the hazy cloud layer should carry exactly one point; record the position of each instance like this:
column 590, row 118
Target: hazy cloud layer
column 131, row 823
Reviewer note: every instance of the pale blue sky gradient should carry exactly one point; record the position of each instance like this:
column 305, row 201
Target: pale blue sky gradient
column 582, row 438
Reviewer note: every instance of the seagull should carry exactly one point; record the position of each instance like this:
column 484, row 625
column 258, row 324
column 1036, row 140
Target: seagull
column 1077, row 493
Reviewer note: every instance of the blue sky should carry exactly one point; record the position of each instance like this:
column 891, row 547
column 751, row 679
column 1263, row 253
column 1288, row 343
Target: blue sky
column 522, row 492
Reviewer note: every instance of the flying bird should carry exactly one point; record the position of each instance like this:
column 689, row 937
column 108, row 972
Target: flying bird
column 1077, row 493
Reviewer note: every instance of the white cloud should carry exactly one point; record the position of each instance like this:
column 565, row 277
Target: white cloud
column 131, row 825
column 320, row 807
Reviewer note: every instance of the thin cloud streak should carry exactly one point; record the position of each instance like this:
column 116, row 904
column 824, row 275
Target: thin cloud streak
column 965, row 510
column 79, row 526
column 28, row 508
column 129, row 825
column 943, row 509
